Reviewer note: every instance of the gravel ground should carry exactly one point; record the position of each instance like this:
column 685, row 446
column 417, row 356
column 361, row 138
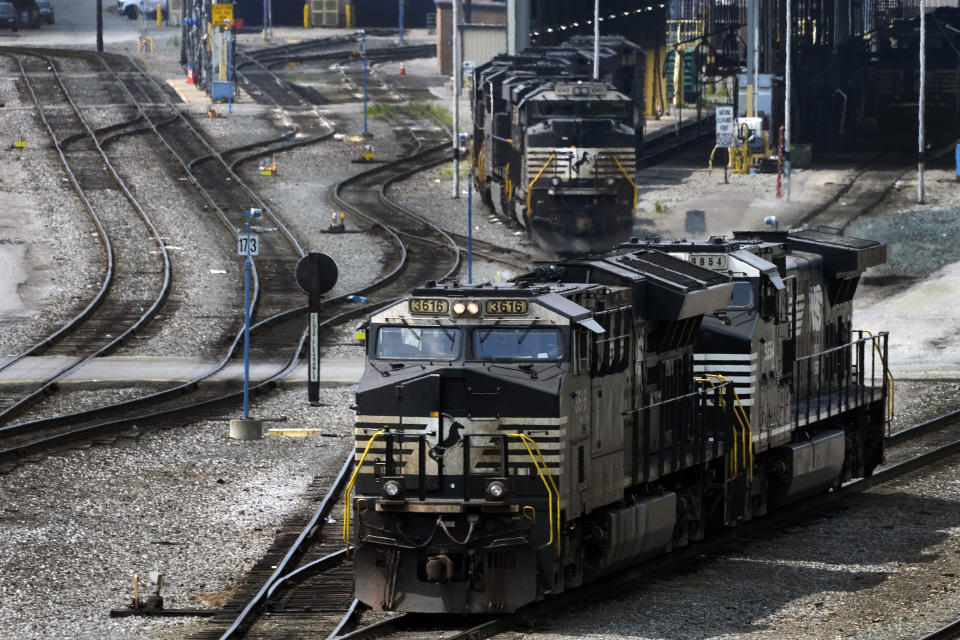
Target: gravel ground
column 188, row 502
column 50, row 253
column 866, row 570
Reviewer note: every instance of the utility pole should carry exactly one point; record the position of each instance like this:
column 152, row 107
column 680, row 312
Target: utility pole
column 756, row 58
column 921, row 152
column 400, row 20
column 596, row 39
column 100, row 26
column 786, row 100
column 457, row 76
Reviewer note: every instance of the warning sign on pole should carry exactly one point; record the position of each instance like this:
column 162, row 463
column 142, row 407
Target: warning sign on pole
column 725, row 127
column 221, row 14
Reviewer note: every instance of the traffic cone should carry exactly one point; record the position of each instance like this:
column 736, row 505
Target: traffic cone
column 403, row 69
column 191, row 79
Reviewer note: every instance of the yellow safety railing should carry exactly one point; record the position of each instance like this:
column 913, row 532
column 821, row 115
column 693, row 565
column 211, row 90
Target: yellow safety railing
column 629, row 179
column 876, row 347
column 537, row 177
column 353, row 478
column 481, row 158
column 507, row 185
column 553, row 493
column 745, row 429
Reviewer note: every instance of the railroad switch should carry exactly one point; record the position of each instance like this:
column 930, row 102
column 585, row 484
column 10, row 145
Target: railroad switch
column 336, row 223
column 154, row 601
column 366, row 154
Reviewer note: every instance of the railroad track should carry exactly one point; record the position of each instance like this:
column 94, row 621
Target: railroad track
column 137, row 275
column 950, row 631
column 281, row 329
column 297, row 596
column 666, row 143
column 943, row 445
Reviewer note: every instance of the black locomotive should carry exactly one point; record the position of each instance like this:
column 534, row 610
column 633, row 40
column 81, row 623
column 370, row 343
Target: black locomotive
column 554, row 150
column 515, row 440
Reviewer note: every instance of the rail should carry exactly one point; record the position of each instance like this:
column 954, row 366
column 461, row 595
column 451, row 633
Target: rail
column 347, row 507
column 746, row 449
column 545, row 476
column 883, row 359
column 537, row 177
column 840, row 378
column 629, row 179
column 689, row 425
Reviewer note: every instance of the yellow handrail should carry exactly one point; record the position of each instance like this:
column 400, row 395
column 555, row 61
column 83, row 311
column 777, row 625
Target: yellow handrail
column 629, row 179
column 547, row 479
column 723, row 404
column 537, row 177
column 876, row 347
column 349, row 489
column 507, row 186
column 744, row 421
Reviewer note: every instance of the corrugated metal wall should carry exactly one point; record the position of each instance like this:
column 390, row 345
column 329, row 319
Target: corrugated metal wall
column 482, row 42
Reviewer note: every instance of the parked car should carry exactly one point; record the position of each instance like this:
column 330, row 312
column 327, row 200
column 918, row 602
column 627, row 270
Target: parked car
column 131, row 8
column 8, row 17
column 45, row 10
column 27, row 13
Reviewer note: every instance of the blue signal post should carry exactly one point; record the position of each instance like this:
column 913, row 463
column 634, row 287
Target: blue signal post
column 470, row 225
column 363, row 50
column 247, row 268
column 400, row 11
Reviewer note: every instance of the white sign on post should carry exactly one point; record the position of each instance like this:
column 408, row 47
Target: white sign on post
column 725, row 127
column 248, row 245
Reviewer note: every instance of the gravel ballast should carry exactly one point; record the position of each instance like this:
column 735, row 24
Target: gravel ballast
column 201, row 508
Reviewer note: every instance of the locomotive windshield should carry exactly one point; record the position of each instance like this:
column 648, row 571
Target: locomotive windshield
column 542, row 110
column 742, row 297
column 434, row 343
column 516, row 343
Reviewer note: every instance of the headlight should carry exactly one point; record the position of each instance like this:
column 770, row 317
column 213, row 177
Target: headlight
column 473, row 308
column 496, row 490
column 555, row 182
column 391, row 489
column 609, row 182
column 459, row 308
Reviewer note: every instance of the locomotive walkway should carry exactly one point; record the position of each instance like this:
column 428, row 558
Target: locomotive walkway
column 128, row 370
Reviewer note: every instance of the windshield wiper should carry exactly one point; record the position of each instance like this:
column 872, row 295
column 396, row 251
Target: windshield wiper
column 489, row 331
column 526, row 332
column 450, row 334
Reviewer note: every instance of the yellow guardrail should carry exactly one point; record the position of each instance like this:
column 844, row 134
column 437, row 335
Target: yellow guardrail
column 353, row 478
column 548, row 483
column 876, row 347
column 746, row 451
column 537, row 177
column 629, row 179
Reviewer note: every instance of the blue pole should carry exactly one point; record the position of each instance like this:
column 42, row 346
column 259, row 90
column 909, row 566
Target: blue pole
column 246, row 327
column 470, row 227
column 958, row 162
column 364, row 85
column 400, row 3
column 230, row 75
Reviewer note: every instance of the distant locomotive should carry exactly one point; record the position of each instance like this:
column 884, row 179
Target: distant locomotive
column 515, row 440
column 554, row 150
